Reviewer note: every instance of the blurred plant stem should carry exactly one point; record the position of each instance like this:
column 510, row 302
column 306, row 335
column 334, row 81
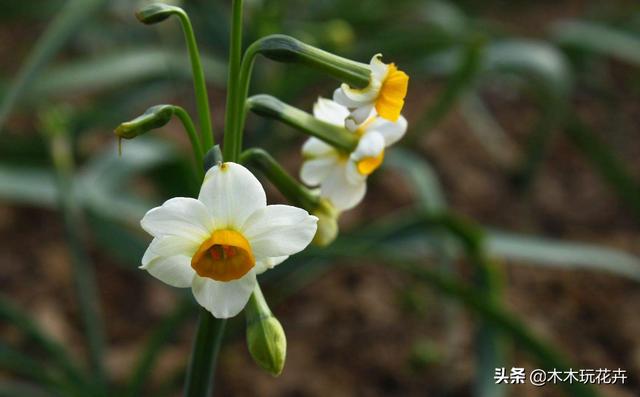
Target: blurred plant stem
column 460, row 81
column 611, row 169
column 54, row 124
column 204, row 355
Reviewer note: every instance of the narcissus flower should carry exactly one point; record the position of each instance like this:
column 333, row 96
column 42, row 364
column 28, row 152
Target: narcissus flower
column 218, row 243
column 342, row 176
column 385, row 93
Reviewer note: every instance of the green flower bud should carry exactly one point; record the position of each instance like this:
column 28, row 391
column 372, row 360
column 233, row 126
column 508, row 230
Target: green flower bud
column 327, row 223
column 154, row 117
column 266, row 340
column 156, row 12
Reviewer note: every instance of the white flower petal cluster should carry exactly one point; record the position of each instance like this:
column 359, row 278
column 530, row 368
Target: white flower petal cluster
column 342, row 176
column 218, row 243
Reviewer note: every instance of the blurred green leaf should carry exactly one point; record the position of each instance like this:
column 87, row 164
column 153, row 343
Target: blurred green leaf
column 67, row 22
column 611, row 169
column 109, row 71
column 597, row 38
column 561, row 254
column 28, row 185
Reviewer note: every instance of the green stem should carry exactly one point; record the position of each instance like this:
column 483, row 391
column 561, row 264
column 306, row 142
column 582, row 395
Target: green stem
column 204, row 355
column 271, row 107
column 296, row 193
column 283, row 48
column 183, row 116
column 235, row 57
column 199, row 83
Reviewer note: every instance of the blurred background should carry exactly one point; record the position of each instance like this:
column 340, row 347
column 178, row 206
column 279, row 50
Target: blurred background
column 523, row 128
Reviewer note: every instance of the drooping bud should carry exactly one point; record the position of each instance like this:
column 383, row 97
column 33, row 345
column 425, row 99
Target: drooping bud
column 266, row 340
column 327, row 223
column 283, row 48
column 156, row 12
column 154, row 117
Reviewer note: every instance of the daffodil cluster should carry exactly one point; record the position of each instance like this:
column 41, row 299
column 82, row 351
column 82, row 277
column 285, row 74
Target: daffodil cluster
column 372, row 115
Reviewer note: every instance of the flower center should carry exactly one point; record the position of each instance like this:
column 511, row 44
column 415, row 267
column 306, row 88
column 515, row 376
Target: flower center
column 369, row 164
column 391, row 97
column 224, row 256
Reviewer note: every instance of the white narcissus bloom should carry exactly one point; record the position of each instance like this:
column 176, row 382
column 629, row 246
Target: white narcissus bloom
column 342, row 176
column 385, row 93
column 218, row 243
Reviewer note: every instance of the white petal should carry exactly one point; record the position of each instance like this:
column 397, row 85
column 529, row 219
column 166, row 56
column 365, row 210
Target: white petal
column 279, row 230
column 370, row 145
column 269, row 263
column 379, row 69
column 391, row 131
column 340, row 191
column 224, row 299
column 174, row 270
column 314, row 147
column 313, row 172
column 362, row 113
column 167, row 246
column 330, row 112
column 231, row 194
column 353, row 176
column 180, row 216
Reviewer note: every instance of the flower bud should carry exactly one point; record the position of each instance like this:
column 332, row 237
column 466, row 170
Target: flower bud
column 268, row 344
column 327, row 223
column 266, row 340
column 154, row 117
column 156, row 12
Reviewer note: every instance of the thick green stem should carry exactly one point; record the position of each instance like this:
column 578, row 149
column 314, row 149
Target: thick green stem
column 204, row 355
column 235, row 55
column 296, row 193
column 336, row 136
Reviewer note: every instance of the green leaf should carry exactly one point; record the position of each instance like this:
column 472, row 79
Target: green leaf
column 561, row 254
column 597, row 38
column 119, row 69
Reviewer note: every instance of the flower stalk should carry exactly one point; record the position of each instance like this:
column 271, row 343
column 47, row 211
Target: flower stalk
column 271, row 107
column 158, row 12
column 284, row 48
column 266, row 339
column 296, row 193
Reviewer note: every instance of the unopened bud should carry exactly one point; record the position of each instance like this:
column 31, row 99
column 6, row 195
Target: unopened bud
column 156, row 12
column 266, row 340
column 154, row 117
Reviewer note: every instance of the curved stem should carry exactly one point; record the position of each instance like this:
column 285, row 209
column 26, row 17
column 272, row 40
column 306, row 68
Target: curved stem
column 204, row 355
column 296, row 193
column 183, row 116
column 199, row 84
